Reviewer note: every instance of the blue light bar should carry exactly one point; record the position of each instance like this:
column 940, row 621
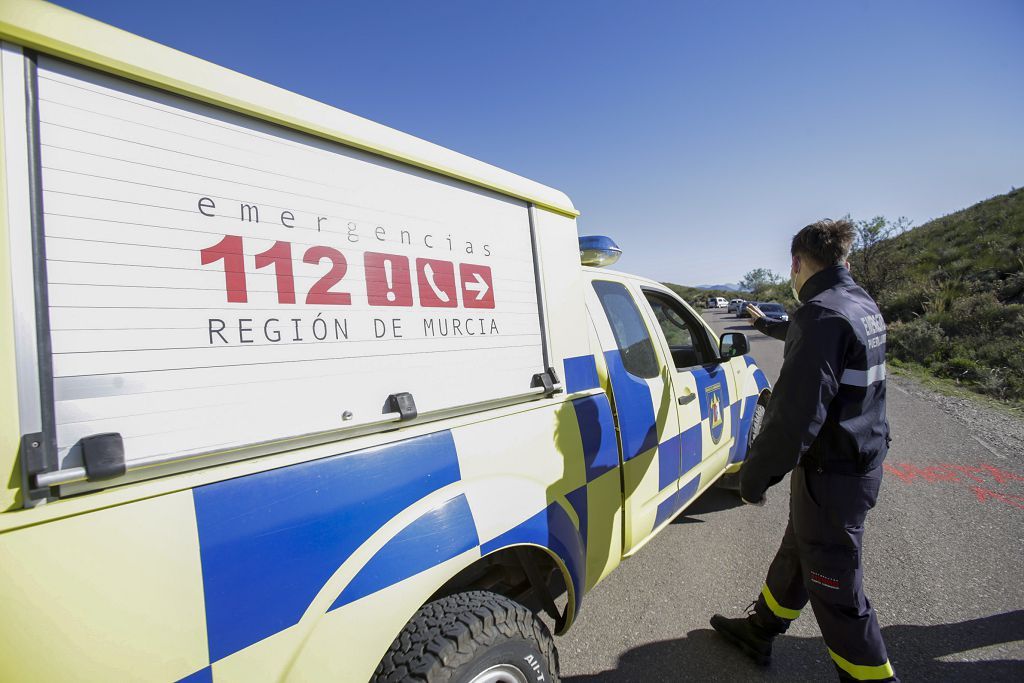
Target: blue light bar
column 598, row 251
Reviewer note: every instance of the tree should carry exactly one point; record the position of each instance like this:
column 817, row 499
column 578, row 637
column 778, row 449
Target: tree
column 759, row 280
column 869, row 257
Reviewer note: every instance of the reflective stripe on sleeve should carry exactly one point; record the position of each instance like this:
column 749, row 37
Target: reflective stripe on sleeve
column 863, row 378
column 777, row 609
column 861, row 672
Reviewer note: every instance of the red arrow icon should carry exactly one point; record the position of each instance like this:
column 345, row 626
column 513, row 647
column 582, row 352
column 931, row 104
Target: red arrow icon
column 477, row 286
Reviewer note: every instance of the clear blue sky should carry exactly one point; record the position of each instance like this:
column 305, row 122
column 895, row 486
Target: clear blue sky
column 700, row 135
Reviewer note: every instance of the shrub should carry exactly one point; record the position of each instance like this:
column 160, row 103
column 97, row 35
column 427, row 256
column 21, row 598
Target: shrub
column 1002, row 383
column 904, row 303
column 917, row 340
column 1011, row 290
column 944, row 295
column 961, row 369
column 1003, row 351
column 982, row 314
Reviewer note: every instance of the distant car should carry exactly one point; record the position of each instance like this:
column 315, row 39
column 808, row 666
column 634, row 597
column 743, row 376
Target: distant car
column 735, row 305
column 774, row 310
column 717, row 302
column 769, row 308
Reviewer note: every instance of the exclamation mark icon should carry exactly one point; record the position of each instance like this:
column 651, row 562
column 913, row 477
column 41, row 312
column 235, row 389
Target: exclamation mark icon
column 389, row 278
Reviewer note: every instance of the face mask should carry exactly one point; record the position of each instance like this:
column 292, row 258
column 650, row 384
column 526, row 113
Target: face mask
column 792, row 287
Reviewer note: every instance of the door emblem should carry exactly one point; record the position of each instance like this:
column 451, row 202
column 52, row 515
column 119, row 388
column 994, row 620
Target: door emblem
column 713, row 396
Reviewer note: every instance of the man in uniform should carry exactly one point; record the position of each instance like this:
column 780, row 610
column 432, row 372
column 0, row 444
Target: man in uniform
column 826, row 423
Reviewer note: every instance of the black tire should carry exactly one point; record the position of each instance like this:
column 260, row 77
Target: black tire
column 756, row 420
column 458, row 637
column 731, row 482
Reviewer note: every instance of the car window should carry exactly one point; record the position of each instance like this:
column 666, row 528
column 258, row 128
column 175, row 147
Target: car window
column 686, row 337
column 631, row 335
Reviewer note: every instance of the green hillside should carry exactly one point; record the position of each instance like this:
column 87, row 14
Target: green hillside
column 952, row 291
column 953, row 295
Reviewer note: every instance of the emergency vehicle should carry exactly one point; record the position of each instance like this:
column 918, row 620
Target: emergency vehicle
column 290, row 395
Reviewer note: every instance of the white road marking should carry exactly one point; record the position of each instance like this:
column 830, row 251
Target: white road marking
column 988, row 448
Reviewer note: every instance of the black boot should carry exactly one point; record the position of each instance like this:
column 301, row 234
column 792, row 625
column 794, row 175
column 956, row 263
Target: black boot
column 746, row 633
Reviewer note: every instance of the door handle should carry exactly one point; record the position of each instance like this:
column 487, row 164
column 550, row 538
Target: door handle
column 686, row 398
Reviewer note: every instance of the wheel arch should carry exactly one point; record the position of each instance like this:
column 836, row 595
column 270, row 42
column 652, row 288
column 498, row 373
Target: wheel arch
column 530, row 574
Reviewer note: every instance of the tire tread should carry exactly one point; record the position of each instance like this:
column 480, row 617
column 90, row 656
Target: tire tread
column 446, row 634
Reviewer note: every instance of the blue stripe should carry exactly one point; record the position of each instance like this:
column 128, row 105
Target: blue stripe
column 737, row 427
column 578, row 500
column 668, row 462
column 688, row 490
column 634, row 407
column 597, row 430
column 739, row 452
column 666, row 509
column 580, row 373
column 761, row 380
column 692, row 446
column 674, row 503
column 679, row 455
column 269, row 541
column 204, row 675
column 550, row 528
column 436, row 537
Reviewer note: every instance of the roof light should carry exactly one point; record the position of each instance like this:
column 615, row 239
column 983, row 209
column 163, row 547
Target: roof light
column 598, row 250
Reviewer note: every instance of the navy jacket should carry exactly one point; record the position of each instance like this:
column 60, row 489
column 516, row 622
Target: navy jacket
column 773, row 327
column 828, row 406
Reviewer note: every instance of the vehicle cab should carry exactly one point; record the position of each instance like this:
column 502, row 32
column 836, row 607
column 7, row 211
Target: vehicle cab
column 675, row 384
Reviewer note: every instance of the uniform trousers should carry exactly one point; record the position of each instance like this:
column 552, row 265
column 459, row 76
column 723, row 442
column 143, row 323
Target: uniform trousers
column 819, row 561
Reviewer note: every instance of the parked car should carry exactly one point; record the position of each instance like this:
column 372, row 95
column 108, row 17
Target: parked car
column 774, row 310
column 769, row 308
column 717, row 302
column 735, row 305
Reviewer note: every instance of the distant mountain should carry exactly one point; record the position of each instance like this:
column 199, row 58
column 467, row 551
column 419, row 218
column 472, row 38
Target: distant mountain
column 698, row 295
column 728, row 286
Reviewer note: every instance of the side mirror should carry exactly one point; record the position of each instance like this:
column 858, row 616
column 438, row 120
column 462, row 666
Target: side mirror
column 733, row 344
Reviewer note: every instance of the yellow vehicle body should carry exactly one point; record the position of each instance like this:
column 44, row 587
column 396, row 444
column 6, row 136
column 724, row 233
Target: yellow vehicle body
column 303, row 557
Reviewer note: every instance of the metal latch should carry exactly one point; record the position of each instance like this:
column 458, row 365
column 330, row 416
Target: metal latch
column 403, row 404
column 547, row 380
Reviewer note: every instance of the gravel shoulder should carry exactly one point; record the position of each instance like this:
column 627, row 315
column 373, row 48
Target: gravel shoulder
column 998, row 428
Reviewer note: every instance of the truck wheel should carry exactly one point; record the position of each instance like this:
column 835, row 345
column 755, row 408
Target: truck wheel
column 731, row 482
column 473, row 637
column 756, row 420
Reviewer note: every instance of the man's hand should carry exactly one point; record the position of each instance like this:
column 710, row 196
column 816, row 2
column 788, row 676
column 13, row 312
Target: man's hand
column 760, row 503
column 755, row 312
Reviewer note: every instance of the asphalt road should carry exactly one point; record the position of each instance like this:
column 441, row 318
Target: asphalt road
column 944, row 564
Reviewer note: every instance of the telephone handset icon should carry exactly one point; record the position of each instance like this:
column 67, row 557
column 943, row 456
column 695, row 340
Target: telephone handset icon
column 428, row 271
column 436, row 279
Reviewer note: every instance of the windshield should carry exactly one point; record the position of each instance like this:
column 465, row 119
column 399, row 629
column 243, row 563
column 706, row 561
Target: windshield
column 772, row 308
